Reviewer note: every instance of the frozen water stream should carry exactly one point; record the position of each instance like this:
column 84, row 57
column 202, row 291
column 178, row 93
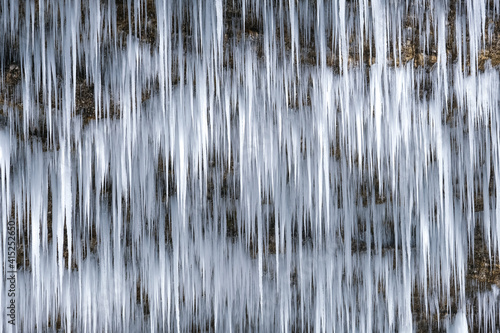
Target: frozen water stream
column 251, row 165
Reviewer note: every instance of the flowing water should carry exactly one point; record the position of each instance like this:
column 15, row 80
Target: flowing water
column 251, row 165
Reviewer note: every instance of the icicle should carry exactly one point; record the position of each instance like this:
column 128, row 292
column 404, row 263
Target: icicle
column 251, row 165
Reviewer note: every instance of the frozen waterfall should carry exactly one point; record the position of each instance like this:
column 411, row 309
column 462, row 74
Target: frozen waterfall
column 250, row 165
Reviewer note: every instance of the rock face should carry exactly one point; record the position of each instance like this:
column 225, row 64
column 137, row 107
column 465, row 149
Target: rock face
column 251, row 165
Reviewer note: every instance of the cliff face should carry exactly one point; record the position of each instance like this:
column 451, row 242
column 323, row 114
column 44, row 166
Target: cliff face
column 251, row 165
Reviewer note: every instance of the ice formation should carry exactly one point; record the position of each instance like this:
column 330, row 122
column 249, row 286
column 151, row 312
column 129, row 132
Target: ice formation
column 251, row 165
